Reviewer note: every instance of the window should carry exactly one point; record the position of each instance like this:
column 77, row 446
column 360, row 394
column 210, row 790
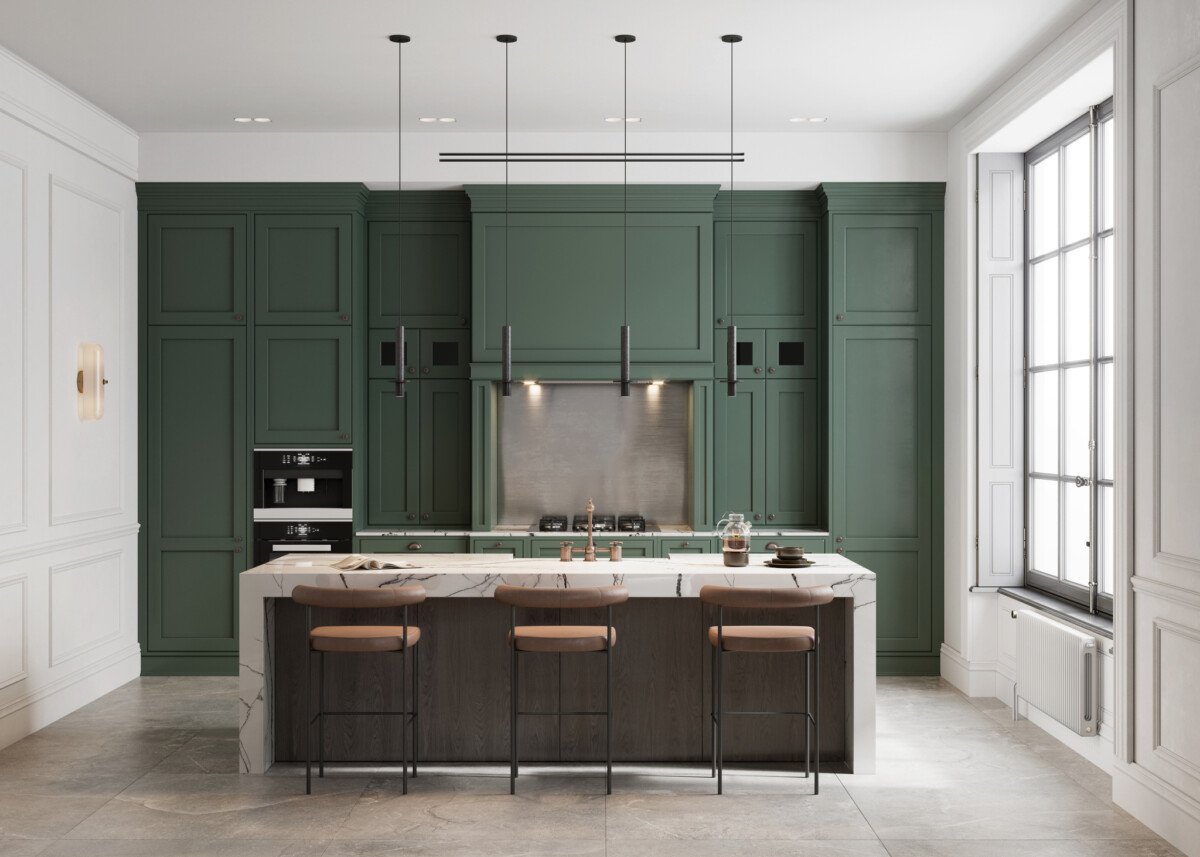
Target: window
column 1069, row 362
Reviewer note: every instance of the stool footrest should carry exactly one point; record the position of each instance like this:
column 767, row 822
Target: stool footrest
column 569, row 713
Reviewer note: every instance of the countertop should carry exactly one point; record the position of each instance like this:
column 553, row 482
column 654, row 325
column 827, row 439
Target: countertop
column 670, row 533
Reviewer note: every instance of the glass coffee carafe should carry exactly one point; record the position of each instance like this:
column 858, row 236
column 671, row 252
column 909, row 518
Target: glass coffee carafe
column 735, row 540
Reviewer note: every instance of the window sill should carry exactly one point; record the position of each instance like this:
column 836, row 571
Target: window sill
column 1101, row 626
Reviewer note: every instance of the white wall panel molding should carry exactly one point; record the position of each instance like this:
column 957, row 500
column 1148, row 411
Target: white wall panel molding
column 14, row 342
column 1176, row 410
column 87, row 279
column 1176, row 651
column 86, row 605
column 42, row 103
column 14, row 629
column 1170, row 812
column 50, row 546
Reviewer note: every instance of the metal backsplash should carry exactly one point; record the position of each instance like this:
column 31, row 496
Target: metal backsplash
column 562, row 443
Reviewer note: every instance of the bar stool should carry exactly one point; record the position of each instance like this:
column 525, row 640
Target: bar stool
column 358, row 638
column 726, row 639
column 560, row 639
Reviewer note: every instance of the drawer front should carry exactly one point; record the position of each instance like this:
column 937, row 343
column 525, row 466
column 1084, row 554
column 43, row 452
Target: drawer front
column 692, row 544
column 811, row 544
column 414, row 544
column 516, row 548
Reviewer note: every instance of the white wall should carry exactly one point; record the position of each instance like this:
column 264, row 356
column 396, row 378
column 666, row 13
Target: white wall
column 798, row 160
column 68, row 489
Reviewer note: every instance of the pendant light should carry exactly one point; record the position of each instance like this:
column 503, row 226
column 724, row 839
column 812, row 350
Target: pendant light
column 624, row 40
column 506, row 330
column 400, row 41
column 731, row 380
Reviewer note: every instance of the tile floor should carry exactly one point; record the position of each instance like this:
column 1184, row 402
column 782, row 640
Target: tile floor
column 150, row 770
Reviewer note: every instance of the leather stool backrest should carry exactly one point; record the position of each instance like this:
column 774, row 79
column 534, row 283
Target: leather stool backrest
column 746, row 596
column 332, row 596
column 545, row 596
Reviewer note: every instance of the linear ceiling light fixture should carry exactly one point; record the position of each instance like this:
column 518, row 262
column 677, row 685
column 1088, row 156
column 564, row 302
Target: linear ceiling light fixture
column 400, row 41
column 624, row 41
column 731, row 380
column 506, row 331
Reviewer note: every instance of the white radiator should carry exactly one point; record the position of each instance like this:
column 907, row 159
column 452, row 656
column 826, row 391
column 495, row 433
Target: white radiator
column 1058, row 671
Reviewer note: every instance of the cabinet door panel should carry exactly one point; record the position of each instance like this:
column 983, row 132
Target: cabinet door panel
column 196, row 268
column 774, row 270
column 517, row 548
column 791, row 467
column 666, row 547
column 791, row 354
column 445, row 452
column 302, row 385
column 381, row 353
column 751, row 354
column 882, row 459
column 767, row 544
column 415, row 543
column 437, row 274
column 445, row 353
column 393, row 455
column 882, row 269
column 193, row 600
column 739, row 451
column 302, row 268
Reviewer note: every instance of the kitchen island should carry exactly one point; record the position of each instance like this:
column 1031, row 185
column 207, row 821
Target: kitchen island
column 660, row 662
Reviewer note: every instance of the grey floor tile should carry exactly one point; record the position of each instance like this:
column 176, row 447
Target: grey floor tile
column 1031, row 848
column 211, row 751
column 184, row 848
column 748, row 848
column 473, row 848
column 43, row 816
column 24, row 847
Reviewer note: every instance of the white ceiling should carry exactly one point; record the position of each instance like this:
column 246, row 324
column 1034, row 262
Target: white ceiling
column 322, row 65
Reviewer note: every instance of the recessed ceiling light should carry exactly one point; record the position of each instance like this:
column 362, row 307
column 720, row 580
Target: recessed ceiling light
column 429, row 119
column 798, row 119
column 627, row 119
column 447, row 119
column 243, row 119
column 817, row 119
column 261, row 119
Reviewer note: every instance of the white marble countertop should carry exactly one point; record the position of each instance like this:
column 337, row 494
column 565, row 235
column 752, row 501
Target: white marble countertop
column 477, row 576
column 599, row 537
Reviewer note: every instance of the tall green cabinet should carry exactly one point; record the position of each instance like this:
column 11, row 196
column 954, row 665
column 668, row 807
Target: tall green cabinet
column 884, row 325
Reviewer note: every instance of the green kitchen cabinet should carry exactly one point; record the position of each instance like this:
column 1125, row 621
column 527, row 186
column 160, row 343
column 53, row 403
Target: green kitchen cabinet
column 381, row 353
column 303, row 268
column 766, row 452
column 418, row 454
column 563, row 287
column 791, row 354
column 882, row 478
column 751, row 354
column 303, row 380
column 414, row 544
column 393, row 472
column 196, row 268
column 689, row 544
column 775, row 281
column 518, row 548
column 767, row 544
column 431, row 353
column 437, row 274
column 197, row 493
column 881, row 268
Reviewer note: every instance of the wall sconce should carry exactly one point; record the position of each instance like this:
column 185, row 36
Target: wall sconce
column 90, row 381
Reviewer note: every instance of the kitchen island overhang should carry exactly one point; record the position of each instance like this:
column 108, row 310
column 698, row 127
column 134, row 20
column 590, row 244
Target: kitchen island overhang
column 476, row 576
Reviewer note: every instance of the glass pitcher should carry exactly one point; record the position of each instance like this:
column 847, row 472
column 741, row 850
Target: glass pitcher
column 735, row 539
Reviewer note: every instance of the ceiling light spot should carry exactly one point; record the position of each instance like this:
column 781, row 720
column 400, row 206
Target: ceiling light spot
column 447, row 119
column 261, row 119
column 817, row 119
column 243, row 119
column 798, row 119
column 627, row 119
column 429, row 119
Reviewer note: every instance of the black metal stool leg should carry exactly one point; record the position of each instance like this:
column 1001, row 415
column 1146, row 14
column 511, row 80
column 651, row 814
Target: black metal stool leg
column 712, row 705
column 403, row 717
column 512, row 690
column 308, row 716
column 807, row 711
column 608, row 699
column 321, row 714
column 416, row 702
column 720, row 702
column 817, row 707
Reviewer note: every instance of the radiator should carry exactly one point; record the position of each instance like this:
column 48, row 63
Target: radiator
column 1058, row 672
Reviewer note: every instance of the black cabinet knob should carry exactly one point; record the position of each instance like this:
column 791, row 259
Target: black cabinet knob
column 237, row 550
column 412, row 516
column 772, row 370
column 758, row 370
column 237, row 538
column 720, row 321
column 758, row 516
column 426, row 370
column 425, row 517
column 345, row 318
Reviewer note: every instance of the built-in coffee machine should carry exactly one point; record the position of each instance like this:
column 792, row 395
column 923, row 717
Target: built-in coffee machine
column 302, row 502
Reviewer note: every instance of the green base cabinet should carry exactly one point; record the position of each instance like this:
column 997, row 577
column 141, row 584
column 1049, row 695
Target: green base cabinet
column 414, row 544
column 766, row 544
column 518, row 548
column 691, row 544
column 302, row 389
column 197, row 494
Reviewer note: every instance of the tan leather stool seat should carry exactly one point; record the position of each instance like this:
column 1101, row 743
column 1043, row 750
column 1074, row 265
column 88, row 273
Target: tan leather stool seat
column 765, row 638
column 362, row 638
column 562, row 638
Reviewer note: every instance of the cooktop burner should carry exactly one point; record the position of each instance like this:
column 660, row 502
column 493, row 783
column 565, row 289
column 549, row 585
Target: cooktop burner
column 553, row 523
column 600, row 523
column 631, row 524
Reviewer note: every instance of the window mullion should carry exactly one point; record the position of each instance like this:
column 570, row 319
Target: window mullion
column 1062, row 358
column 1094, row 536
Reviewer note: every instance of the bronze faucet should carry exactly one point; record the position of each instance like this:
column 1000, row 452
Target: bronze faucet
column 566, row 549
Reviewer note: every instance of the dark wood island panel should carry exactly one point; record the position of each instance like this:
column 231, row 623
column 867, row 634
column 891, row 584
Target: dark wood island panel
column 660, row 685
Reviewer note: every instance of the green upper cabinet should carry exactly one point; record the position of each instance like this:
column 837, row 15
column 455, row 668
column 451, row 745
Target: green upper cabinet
column 751, row 354
column 197, row 521
column 566, row 294
column 302, row 389
column 881, row 474
column 882, row 267
column 791, row 354
column 740, row 451
column 303, row 268
column 774, row 274
column 393, row 455
column 381, row 353
column 437, row 274
column 196, row 268
column 445, row 452
column 793, row 408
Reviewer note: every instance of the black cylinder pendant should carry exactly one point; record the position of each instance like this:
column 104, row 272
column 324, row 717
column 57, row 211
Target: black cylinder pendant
column 731, row 362
column 400, row 379
column 624, row 360
column 506, row 360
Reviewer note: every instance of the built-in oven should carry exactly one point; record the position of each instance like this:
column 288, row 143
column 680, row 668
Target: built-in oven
column 273, row 539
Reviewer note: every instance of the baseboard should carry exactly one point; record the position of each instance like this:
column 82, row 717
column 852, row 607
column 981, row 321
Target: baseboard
column 909, row 665
column 189, row 665
column 973, row 678
column 1164, row 809
column 59, row 698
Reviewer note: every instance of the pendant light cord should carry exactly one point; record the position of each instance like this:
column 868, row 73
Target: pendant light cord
column 625, row 177
column 399, row 185
column 506, row 184
column 731, row 229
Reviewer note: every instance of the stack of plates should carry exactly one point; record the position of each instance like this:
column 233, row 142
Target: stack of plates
column 779, row 562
